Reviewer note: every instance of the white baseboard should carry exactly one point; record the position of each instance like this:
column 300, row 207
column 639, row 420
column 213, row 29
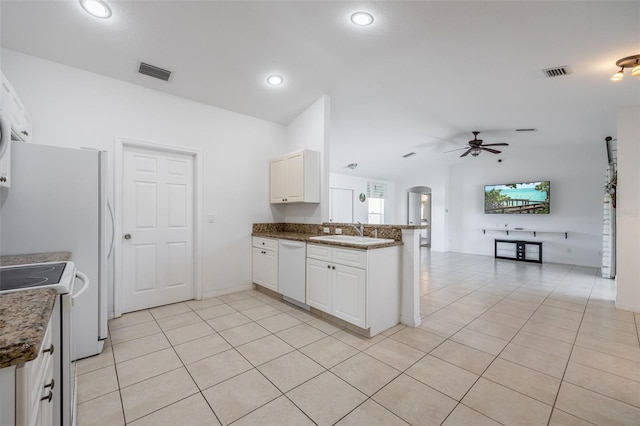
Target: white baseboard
column 217, row 293
column 411, row 322
column 625, row 307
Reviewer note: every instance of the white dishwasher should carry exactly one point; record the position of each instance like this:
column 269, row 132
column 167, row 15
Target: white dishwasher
column 292, row 271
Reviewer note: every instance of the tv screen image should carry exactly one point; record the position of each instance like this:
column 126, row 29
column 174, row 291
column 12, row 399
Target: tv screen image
column 517, row 198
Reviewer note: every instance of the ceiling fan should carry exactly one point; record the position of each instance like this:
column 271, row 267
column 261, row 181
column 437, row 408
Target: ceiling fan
column 476, row 146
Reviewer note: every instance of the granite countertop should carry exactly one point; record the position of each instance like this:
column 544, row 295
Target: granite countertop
column 297, row 236
column 22, row 259
column 25, row 314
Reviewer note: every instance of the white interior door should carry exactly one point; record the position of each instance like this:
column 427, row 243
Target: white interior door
column 157, row 224
column 341, row 205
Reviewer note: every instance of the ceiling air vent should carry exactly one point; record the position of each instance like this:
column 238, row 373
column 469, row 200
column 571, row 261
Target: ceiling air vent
column 409, row 155
column 153, row 71
column 557, row 71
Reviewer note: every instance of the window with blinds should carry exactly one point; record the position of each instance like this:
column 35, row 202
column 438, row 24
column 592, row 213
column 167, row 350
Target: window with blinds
column 375, row 190
column 375, row 193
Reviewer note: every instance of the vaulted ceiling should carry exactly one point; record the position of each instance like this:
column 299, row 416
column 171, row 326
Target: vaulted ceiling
column 419, row 79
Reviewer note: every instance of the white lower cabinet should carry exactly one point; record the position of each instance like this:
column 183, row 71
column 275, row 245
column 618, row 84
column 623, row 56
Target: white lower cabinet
column 349, row 294
column 38, row 395
column 319, row 278
column 358, row 286
column 265, row 262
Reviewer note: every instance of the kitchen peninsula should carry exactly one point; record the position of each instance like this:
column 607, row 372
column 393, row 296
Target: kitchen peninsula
column 367, row 283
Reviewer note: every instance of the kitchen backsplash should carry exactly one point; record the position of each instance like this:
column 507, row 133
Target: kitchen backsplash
column 384, row 231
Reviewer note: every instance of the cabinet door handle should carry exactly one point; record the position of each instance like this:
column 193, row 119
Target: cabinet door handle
column 50, row 350
column 51, row 384
column 328, row 266
column 333, row 267
column 49, row 397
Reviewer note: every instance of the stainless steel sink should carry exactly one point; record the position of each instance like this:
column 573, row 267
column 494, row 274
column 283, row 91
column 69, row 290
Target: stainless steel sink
column 352, row 239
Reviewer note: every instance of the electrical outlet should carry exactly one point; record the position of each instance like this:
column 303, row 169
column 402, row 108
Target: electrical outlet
column 211, row 218
column 325, row 230
column 338, row 231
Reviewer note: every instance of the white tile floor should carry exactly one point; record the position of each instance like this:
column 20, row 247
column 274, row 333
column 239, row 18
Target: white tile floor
column 501, row 343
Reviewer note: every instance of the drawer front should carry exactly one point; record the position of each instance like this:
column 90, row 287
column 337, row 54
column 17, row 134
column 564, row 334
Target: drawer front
column 35, row 368
column 350, row 257
column 265, row 243
column 31, row 379
column 320, row 252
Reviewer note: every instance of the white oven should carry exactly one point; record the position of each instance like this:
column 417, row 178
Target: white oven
column 69, row 283
column 68, row 348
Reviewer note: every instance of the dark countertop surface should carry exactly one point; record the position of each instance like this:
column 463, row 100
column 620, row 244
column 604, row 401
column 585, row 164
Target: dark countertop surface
column 22, row 259
column 25, row 314
column 306, row 238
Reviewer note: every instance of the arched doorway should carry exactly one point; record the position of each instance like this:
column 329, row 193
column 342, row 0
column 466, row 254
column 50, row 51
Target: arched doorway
column 419, row 211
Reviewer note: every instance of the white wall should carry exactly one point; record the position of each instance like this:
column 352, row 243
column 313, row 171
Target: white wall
column 359, row 186
column 74, row 108
column 310, row 130
column 576, row 204
column 628, row 210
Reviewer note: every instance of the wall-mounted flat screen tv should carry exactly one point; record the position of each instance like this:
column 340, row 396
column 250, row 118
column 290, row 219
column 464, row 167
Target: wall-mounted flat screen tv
column 517, row 198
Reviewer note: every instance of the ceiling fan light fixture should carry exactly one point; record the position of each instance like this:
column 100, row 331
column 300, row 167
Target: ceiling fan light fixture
column 362, row 19
column 96, row 8
column 632, row 62
column 475, row 151
column 618, row 76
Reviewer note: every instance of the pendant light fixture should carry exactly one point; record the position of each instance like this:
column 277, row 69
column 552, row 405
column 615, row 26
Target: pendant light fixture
column 628, row 62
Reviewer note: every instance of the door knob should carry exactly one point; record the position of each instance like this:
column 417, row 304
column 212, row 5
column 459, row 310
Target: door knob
column 127, row 236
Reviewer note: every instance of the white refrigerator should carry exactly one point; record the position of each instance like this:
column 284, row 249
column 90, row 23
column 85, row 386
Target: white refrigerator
column 57, row 202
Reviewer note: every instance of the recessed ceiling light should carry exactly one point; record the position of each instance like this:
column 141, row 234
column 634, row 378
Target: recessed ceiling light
column 96, row 8
column 362, row 19
column 275, row 80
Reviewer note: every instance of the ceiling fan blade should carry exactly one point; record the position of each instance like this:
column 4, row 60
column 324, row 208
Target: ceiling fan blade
column 497, row 144
column 495, row 151
column 457, row 149
column 466, row 153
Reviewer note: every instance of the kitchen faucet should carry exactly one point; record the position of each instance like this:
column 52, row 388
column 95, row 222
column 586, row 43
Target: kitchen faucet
column 359, row 228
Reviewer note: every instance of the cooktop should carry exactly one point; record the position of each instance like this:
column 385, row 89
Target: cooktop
column 29, row 276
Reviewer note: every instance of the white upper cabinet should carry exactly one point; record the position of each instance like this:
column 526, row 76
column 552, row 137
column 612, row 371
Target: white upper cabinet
column 295, row 178
column 6, row 107
column 15, row 124
column 21, row 122
column 14, row 112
